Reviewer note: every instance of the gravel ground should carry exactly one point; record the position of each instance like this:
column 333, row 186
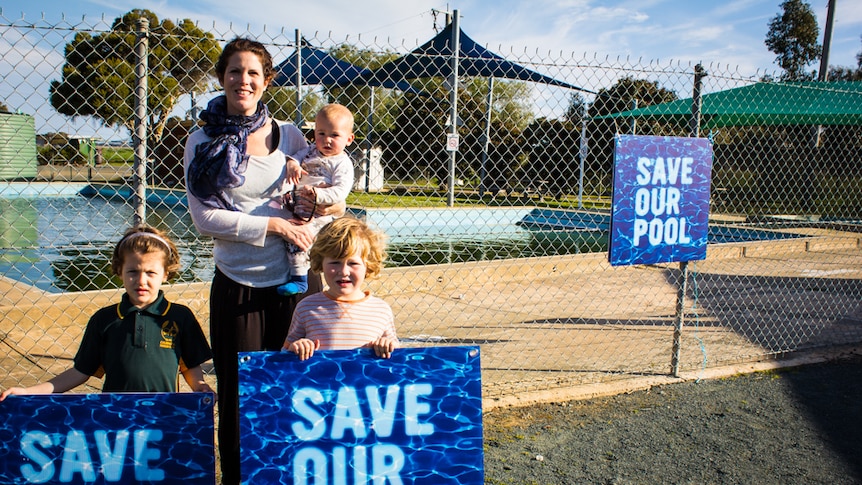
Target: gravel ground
column 799, row 425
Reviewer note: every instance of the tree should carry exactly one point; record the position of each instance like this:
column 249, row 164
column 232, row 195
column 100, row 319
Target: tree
column 575, row 111
column 281, row 102
column 358, row 98
column 793, row 38
column 553, row 150
column 617, row 98
column 627, row 92
column 417, row 139
column 99, row 74
column 511, row 113
column 414, row 147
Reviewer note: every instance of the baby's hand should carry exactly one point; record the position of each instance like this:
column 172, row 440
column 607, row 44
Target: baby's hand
column 294, row 171
column 384, row 346
column 303, row 347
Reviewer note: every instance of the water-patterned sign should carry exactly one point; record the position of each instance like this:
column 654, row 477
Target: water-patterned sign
column 349, row 418
column 107, row 438
column 660, row 208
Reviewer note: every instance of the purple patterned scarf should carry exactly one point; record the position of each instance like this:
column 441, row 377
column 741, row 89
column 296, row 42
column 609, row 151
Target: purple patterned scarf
column 219, row 163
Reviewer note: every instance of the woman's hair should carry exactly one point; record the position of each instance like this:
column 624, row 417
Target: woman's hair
column 145, row 239
column 241, row 44
column 342, row 238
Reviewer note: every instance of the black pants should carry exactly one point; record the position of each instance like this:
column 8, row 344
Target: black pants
column 243, row 319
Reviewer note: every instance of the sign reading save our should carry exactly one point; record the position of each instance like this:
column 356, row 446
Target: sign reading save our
column 350, row 418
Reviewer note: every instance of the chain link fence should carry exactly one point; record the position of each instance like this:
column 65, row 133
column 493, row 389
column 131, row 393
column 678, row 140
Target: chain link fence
column 493, row 183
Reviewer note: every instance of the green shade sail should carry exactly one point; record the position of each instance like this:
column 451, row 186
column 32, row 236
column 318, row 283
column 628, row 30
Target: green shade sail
column 772, row 103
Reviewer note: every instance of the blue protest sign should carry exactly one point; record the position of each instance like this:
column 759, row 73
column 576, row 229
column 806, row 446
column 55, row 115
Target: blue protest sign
column 349, row 418
column 107, row 438
column 660, row 210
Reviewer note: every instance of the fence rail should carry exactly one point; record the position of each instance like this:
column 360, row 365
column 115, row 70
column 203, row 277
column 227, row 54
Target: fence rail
column 783, row 267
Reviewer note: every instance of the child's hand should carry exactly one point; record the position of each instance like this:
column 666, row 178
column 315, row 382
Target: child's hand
column 12, row 390
column 294, row 171
column 384, row 346
column 303, row 347
column 204, row 387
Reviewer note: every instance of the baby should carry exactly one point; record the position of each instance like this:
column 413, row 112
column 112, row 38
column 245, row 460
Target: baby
column 321, row 174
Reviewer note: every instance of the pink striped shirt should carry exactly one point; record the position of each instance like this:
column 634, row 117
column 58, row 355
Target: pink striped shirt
column 341, row 325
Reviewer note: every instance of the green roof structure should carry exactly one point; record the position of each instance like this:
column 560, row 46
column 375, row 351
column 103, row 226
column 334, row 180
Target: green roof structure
column 765, row 103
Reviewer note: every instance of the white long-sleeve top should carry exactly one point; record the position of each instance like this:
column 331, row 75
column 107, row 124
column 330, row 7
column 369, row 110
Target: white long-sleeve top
column 336, row 172
column 241, row 248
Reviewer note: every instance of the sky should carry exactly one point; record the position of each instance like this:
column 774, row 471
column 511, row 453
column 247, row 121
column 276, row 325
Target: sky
column 730, row 32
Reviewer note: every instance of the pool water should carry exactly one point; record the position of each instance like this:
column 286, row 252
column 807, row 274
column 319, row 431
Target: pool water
column 60, row 243
column 442, row 236
column 57, row 240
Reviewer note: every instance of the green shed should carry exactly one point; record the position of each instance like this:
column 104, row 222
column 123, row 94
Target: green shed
column 17, row 147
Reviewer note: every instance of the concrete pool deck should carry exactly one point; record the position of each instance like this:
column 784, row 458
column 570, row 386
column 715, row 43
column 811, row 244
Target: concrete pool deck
column 550, row 328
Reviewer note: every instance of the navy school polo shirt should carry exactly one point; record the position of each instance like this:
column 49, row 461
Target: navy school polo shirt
column 140, row 350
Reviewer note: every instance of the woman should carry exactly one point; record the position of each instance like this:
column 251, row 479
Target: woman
column 235, row 169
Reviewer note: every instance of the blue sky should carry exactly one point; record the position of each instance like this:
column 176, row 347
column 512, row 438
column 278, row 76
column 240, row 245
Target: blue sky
column 730, row 32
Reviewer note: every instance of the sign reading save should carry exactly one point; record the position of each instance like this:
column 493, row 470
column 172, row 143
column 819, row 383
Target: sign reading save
column 107, row 438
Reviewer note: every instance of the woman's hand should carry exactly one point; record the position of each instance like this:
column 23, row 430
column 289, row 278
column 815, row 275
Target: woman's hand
column 306, row 203
column 298, row 234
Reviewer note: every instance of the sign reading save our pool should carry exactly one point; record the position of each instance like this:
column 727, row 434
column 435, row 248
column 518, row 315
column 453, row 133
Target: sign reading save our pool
column 660, row 210
column 349, row 418
column 107, row 438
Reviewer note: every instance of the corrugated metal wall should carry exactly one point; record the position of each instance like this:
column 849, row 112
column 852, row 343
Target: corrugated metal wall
column 17, row 146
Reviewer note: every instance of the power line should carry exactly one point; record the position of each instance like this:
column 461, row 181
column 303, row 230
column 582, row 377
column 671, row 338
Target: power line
column 420, row 14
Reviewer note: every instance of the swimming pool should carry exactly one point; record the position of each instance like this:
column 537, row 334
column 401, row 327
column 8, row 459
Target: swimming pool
column 55, row 238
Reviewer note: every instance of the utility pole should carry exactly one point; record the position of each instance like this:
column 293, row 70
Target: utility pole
column 827, row 40
column 823, row 74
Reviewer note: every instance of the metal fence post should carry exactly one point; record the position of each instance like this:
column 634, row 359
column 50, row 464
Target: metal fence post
column 583, row 152
column 140, row 135
column 299, row 120
column 453, row 118
column 486, row 139
column 694, row 125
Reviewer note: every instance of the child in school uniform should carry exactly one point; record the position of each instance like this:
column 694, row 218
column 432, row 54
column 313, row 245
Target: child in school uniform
column 138, row 344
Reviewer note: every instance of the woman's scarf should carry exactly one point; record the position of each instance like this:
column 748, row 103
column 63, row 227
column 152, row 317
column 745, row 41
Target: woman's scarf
column 219, row 163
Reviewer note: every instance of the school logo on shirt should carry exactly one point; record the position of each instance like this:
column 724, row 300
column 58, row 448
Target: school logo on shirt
column 170, row 329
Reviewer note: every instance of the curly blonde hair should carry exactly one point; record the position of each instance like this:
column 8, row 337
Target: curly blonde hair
column 145, row 239
column 342, row 238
